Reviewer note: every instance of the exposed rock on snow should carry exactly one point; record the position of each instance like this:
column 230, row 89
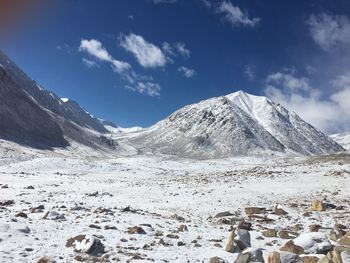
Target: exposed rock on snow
column 86, row 244
column 313, row 243
column 343, row 139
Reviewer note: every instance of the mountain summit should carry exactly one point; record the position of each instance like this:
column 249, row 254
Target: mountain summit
column 233, row 125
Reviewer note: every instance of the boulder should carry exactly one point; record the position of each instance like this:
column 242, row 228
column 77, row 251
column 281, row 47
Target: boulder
column 216, row 260
column 292, row 248
column 250, row 256
column 345, row 240
column 86, row 244
column 136, row 230
column 269, row 233
column 254, row 210
column 318, row 205
column 314, row 228
column 340, row 254
column 238, row 240
column 283, row 257
column 313, row 243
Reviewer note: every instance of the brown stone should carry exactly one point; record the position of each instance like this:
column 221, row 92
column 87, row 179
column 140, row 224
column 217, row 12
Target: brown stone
column 136, row 230
column 216, row 260
column 244, row 225
column 310, row 259
column 314, row 228
column 345, row 240
column 318, row 205
column 280, row 211
column 291, row 247
column 254, row 210
column 286, row 234
column 269, row 233
column 274, row 257
column 21, row 214
column 183, row 228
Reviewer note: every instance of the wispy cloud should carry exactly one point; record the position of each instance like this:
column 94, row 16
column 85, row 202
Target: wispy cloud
column 330, row 31
column 181, row 48
column 89, row 63
column 235, row 15
column 187, row 72
column 328, row 113
column 135, row 82
column 147, row 54
column 175, row 49
column 249, row 72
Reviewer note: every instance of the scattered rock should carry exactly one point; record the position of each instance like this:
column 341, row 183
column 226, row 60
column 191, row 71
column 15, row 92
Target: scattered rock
column 245, row 225
column 183, row 228
column 314, row 228
column 269, row 233
column 21, row 214
column 86, row 244
column 136, row 230
column 292, row 248
column 345, row 240
column 46, row 260
column 336, row 234
column 250, row 256
column 254, row 210
column 313, row 243
column 279, row 211
column 287, row 235
column 223, row 214
column 310, row 259
column 7, row 203
column 216, row 260
column 318, row 205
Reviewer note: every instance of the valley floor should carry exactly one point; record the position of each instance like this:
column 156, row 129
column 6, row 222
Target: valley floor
column 56, row 198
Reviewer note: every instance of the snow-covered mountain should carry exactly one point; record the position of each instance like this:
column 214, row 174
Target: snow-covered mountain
column 67, row 109
column 232, row 125
column 343, row 139
column 37, row 117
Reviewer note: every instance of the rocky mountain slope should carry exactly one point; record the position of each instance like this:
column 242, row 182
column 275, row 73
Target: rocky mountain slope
column 232, row 125
column 33, row 116
column 343, row 139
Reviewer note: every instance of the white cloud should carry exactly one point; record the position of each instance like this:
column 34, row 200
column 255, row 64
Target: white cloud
column 249, row 73
column 235, row 15
column 181, row 48
column 330, row 32
column 136, row 82
column 206, row 3
column 176, row 49
column 95, row 49
column 188, row 73
column 147, row 54
column 329, row 114
column 149, row 88
column 89, row 63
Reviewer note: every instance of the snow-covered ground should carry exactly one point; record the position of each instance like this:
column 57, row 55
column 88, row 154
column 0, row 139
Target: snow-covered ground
column 64, row 197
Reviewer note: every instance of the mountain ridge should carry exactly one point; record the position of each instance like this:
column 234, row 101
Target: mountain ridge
column 233, row 125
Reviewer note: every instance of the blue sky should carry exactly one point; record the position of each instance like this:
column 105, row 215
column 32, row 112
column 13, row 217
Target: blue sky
column 136, row 61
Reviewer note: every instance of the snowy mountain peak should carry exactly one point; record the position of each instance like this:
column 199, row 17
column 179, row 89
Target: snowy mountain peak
column 235, row 124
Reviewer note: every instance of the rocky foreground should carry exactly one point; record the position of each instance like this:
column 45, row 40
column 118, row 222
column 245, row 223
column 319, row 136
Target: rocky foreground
column 158, row 210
